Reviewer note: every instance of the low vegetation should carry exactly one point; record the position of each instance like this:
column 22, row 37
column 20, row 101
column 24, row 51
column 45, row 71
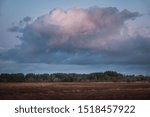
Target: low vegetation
column 75, row 90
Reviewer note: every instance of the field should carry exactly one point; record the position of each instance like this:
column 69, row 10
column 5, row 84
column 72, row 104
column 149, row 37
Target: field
column 79, row 91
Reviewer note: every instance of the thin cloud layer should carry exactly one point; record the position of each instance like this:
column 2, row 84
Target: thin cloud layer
column 82, row 36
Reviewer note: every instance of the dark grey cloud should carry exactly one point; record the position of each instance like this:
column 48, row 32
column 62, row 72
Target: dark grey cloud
column 134, row 51
column 78, row 36
column 14, row 29
column 27, row 19
column 22, row 24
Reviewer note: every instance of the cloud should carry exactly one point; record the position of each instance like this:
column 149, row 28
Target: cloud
column 82, row 37
column 21, row 25
column 27, row 19
column 14, row 29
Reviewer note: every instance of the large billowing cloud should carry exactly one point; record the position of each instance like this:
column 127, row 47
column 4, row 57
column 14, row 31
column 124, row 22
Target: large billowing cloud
column 82, row 36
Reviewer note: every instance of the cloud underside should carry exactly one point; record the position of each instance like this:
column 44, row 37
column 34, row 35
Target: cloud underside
column 82, row 37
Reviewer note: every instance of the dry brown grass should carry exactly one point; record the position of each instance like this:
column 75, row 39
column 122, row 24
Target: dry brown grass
column 79, row 91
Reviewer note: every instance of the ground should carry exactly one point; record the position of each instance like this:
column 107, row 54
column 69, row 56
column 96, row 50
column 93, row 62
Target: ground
column 78, row 91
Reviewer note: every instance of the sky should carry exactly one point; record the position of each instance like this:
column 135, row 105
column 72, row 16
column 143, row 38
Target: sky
column 81, row 36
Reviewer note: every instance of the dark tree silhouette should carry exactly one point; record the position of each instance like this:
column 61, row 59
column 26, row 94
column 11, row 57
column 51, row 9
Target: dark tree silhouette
column 108, row 76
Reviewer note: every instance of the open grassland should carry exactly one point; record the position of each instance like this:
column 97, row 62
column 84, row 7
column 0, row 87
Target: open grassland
column 75, row 90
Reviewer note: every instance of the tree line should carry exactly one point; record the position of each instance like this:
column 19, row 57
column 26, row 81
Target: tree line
column 108, row 76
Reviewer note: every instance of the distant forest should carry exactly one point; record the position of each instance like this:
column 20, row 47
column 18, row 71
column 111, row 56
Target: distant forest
column 108, row 76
